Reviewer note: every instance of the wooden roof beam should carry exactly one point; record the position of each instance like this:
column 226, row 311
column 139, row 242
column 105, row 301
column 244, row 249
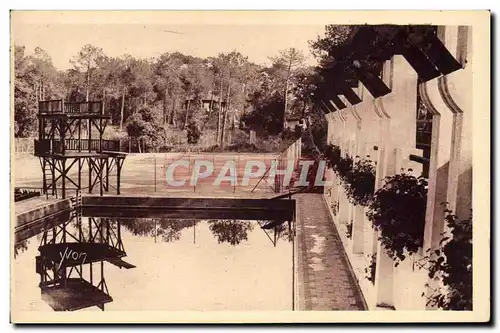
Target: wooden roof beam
column 372, row 82
column 417, row 59
column 439, row 55
column 350, row 95
column 337, row 101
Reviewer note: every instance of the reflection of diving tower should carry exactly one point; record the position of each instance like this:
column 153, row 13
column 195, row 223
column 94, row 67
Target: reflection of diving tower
column 71, row 262
column 70, row 136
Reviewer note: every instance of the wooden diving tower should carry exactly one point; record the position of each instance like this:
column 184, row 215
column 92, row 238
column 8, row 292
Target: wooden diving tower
column 70, row 139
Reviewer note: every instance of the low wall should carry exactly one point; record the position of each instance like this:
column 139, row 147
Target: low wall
column 197, row 208
column 34, row 221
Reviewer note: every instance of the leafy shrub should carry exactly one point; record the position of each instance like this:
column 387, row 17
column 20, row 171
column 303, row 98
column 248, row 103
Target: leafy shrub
column 240, row 147
column 360, row 182
column 342, row 165
column 318, row 128
column 452, row 265
column 291, row 135
column 113, row 133
column 398, row 212
column 332, row 155
column 193, row 133
column 358, row 179
column 348, row 231
column 243, row 147
column 335, row 207
column 371, row 269
column 240, row 137
column 344, row 168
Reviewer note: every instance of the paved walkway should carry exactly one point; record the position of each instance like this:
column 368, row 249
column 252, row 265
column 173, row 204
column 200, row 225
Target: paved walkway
column 326, row 281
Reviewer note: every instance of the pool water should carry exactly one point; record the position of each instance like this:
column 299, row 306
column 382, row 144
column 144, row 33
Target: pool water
column 183, row 265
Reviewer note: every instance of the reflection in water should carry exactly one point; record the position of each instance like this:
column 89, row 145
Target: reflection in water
column 20, row 247
column 276, row 230
column 283, row 232
column 225, row 231
column 168, row 229
column 257, row 276
column 230, row 231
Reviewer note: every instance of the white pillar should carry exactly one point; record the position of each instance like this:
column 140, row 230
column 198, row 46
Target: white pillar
column 399, row 106
column 449, row 98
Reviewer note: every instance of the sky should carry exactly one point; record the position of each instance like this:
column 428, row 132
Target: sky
column 62, row 39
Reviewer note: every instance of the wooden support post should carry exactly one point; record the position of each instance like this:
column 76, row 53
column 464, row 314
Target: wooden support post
column 79, row 174
column 90, row 173
column 54, row 235
column 100, row 135
column 119, row 234
column 53, row 172
column 101, row 229
column 91, row 239
column 81, row 238
column 44, row 177
column 107, row 230
column 107, row 175
column 63, row 177
column 79, row 135
column 156, row 228
column 119, row 163
column 275, row 236
column 90, row 134
column 63, row 227
column 62, row 131
column 102, row 278
column 101, row 167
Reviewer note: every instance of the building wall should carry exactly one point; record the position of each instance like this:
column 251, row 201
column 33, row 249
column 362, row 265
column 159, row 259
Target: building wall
column 384, row 130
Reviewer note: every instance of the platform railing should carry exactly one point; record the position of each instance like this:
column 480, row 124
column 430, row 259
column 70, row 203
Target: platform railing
column 94, row 107
column 54, row 146
column 59, row 106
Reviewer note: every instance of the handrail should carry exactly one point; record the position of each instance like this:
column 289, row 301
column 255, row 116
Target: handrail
column 60, row 106
column 290, row 193
column 54, row 146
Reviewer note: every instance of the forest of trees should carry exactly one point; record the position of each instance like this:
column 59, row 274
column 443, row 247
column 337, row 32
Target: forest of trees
column 149, row 98
column 157, row 100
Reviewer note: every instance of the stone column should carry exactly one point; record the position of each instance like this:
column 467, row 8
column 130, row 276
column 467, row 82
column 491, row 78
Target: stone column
column 345, row 147
column 329, row 174
column 399, row 106
column 337, row 123
column 356, row 213
column 370, row 133
column 455, row 90
column 449, row 98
